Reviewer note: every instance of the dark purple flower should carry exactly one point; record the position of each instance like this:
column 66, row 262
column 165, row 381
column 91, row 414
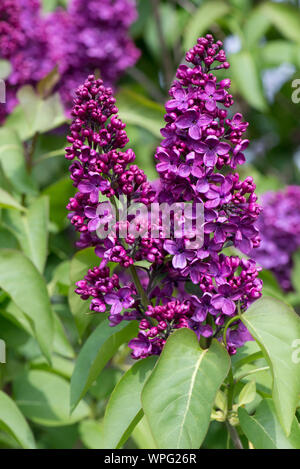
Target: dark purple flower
column 141, row 346
column 220, row 228
column 224, row 299
column 169, row 161
column 179, row 252
column 179, row 101
column 99, row 216
column 190, row 166
column 238, row 156
column 119, row 300
column 208, row 177
column 212, row 148
column 93, row 186
column 211, row 95
column 202, row 307
column 193, row 121
column 219, row 195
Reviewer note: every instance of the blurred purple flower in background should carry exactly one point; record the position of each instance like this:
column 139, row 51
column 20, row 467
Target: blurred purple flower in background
column 279, row 227
column 89, row 36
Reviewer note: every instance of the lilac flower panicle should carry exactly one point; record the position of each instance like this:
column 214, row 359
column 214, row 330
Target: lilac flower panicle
column 279, row 226
column 200, row 287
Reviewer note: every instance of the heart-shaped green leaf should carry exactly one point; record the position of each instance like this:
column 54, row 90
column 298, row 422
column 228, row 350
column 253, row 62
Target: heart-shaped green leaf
column 179, row 395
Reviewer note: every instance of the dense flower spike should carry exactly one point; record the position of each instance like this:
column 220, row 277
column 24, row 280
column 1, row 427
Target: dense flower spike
column 279, row 226
column 88, row 36
column 184, row 283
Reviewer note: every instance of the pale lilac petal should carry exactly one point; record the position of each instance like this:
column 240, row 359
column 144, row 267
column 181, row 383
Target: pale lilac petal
column 94, row 224
column 179, row 261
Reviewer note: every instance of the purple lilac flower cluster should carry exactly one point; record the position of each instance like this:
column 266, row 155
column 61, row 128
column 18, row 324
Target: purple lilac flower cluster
column 184, row 284
column 24, row 43
column 279, row 226
column 88, row 36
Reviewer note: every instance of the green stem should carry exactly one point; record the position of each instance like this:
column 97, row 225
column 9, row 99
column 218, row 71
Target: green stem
column 234, row 436
column 231, row 389
column 137, row 282
column 251, row 358
column 235, row 318
column 29, row 159
column 252, row 372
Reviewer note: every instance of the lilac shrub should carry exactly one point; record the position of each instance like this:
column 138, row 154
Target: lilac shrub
column 279, row 226
column 183, row 284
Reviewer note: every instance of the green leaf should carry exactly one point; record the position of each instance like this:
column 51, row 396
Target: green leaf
column 275, row 326
column 286, row 18
column 264, row 430
column 35, row 114
column 7, row 201
column 247, row 394
column 42, row 114
column 61, row 344
column 46, row 85
column 22, row 281
column 80, row 263
column 179, row 395
column 124, row 406
column 101, row 345
column 255, row 27
column 44, row 398
column 295, row 277
column 58, row 194
column 7, row 239
column 90, row 433
column 13, row 161
column 60, row 366
column 142, row 435
column 13, row 422
column 277, row 52
column 135, row 109
column 246, row 76
column 31, row 230
column 201, row 21
column 271, row 286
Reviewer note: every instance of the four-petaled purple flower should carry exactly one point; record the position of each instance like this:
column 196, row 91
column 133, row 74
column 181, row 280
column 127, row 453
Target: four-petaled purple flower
column 203, row 307
column 141, row 345
column 119, row 300
column 212, row 148
column 224, row 299
column 219, row 195
column 93, row 186
column 180, row 253
column 99, row 216
column 211, row 95
column 193, row 121
column 179, row 101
